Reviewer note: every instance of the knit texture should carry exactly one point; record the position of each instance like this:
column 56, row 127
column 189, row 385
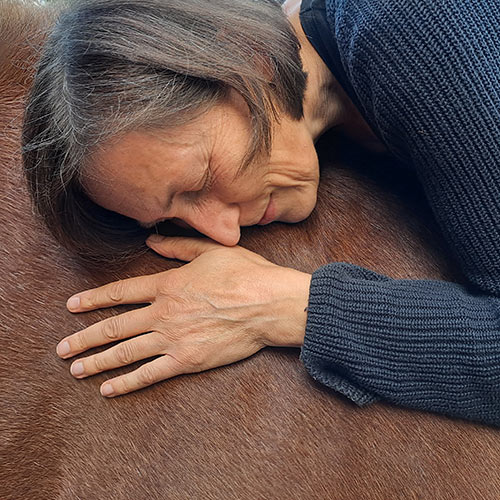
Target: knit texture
column 425, row 74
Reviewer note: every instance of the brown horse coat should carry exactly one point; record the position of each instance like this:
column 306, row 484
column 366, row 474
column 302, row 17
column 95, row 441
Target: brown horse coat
column 257, row 429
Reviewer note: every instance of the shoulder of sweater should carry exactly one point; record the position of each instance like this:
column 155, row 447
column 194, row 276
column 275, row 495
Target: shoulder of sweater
column 427, row 75
column 410, row 60
column 387, row 28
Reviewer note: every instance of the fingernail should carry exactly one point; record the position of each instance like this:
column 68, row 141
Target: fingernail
column 155, row 238
column 73, row 303
column 63, row 348
column 77, row 368
column 106, row 390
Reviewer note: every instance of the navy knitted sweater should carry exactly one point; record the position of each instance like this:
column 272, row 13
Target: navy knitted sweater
column 425, row 74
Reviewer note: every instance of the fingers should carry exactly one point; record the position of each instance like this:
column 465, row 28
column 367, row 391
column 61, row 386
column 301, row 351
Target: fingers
column 119, row 327
column 129, row 291
column 159, row 369
column 122, row 354
column 181, row 248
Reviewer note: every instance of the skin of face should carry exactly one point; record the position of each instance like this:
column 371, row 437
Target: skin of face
column 197, row 165
column 190, row 174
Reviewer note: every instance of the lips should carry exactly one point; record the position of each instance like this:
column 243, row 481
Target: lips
column 269, row 214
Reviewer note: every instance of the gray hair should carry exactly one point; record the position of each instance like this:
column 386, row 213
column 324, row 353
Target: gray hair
column 112, row 66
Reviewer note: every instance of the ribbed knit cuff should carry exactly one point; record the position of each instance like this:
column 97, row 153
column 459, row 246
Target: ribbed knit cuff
column 322, row 352
column 423, row 344
column 326, row 375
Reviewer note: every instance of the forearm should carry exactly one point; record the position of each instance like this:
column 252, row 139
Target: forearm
column 418, row 343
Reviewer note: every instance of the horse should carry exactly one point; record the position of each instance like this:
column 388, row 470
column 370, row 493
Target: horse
column 261, row 428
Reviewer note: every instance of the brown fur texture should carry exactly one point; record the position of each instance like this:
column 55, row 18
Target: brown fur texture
column 257, row 429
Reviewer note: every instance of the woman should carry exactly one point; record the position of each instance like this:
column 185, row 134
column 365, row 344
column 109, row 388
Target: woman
column 199, row 112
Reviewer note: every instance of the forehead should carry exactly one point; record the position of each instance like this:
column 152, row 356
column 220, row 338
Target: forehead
column 138, row 154
column 135, row 172
column 143, row 148
column 223, row 128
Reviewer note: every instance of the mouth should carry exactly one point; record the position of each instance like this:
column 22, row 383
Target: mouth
column 269, row 214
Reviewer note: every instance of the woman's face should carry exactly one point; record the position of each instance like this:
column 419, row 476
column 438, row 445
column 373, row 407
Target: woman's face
column 190, row 174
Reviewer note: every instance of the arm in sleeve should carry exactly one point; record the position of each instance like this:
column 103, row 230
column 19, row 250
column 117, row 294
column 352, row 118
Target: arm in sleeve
column 428, row 77
column 422, row 344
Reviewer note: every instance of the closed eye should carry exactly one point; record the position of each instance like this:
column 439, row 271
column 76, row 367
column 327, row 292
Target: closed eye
column 206, row 183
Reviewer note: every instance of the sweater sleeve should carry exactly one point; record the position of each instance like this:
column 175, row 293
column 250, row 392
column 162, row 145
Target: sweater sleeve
column 426, row 74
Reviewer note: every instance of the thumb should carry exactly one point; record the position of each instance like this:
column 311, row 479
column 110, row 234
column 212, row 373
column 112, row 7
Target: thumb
column 181, row 248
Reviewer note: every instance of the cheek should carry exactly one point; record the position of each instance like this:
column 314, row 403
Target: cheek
column 308, row 202
column 295, row 203
column 246, row 187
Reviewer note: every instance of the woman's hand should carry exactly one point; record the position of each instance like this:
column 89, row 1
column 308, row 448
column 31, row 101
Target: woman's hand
column 224, row 306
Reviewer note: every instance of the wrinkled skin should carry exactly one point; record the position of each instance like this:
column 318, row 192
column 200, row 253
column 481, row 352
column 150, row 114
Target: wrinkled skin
column 224, row 306
column 192, row 174
column 210, row 435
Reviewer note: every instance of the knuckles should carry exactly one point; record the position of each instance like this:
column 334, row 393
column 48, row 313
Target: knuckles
column 111, row 328
column 168, row 282
column 116, row 291
column 124, row 385
column 192, row 361
column 162, row 315
column 80, row 342
column 124, row 354
column 147, row 375
column 99, row 365
column 169, row 309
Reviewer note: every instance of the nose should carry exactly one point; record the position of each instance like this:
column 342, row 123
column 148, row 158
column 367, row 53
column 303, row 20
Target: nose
column 217, row 220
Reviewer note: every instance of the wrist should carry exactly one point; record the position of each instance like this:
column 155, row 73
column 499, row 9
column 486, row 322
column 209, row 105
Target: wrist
column 291, row 311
